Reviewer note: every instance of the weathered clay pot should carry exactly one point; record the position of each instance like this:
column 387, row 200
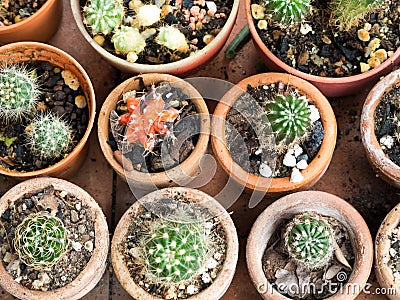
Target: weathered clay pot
column 181, row 67
column 95, row 268
column 383, row 165
column 325, row 204
column 382, row 245
column 219, row 286
column 316, row 168
column 188, row 167
column 39, row 27
column 31, row 51
column 329, row 86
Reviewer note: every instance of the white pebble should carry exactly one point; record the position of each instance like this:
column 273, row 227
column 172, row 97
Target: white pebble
column 191, row 289
column 211, row 263
column 211, row 6
column 297, row 150
column 77, row 246
column 217, row 256
column 314, row 113
column 258, row 152
column 89, row 246
column 302, row 164
column 296, row 176
column 289, row 160
column 392, row 252
column 265, row 170
column 305, row 28
column 206, row 278
column 387, row 141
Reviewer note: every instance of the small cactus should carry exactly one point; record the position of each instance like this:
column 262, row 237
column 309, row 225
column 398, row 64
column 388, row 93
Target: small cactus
column 19, row 93
column 40, row 240
column 172, row 38
column 289, row 117
column 103, row 16
column 288, row 12
column 173, row 252
column 128, row 40
column 148, row 14
column 309, row 240
column 347, row 13
column 49, row 136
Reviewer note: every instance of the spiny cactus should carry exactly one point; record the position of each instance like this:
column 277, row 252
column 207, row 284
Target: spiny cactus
column 174, row 252
column 19, row 93
column 49, row 136
column 128, row 40
column 308, row 239
column 289, row 117
column 347, row 13
column 103, row 16
column 172, row 38
column 40, row 240
column 288, row 12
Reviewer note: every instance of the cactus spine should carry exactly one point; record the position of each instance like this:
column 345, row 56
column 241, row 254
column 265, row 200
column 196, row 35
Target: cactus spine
column 103, row 16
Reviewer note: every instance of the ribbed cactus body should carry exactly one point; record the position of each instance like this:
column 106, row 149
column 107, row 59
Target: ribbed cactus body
column 128, row 40
column 288, row 11
column 103, row 16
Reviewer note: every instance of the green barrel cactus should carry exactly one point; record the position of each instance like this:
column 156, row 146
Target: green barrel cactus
column 288, row 12
column 103, row 16
column 19, row 93
column 49, row 136
column 289, row 117
column 40, row 240
column 309, row 240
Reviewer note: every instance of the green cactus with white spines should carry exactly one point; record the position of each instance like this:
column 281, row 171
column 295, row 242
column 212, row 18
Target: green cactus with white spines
column 174, row 252
column 309, row 240
column 19, row 93
column 40, row 240
column 128, row 40
column 103, row 16
column 49, row 136
column 288, row 12
column 289, row 117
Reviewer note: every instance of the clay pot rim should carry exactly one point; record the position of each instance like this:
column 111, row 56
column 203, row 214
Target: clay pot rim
column 157, row 178
column 328, row 205
column 96, row 266
column 274, row 185
column 374, row 152
column 91, row 103
column 30, row 19
column 314, row 78
column 225, row 276
column 148, row 68
column 383, row 272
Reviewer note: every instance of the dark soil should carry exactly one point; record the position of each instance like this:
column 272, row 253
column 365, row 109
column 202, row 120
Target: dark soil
column 56, row 97
column 78, row 221
column 327, row 51
column 166, row 208
column 156, row 54
column 12, row 12
column 240, row 115
column 316, row 284
column 387, row 122
column 169, row 151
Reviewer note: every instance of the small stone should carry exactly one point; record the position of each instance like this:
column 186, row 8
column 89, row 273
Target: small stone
column 74, row 216
column 78, row 206
column 326, row 40
column 374, row 44
column 132, row 57
column 302, row 59
column 206, row 278
column 81, row 228
column 392, row 252
column 70, row 79
column 80, row 101
column 314, row 113
column 296, row 176
column 289, row 160
column 211, row 6
column 257, row 11
column 63, row 278
column 386, row 141
column 211, row 263
column 170, row 293
column 89, row 246
column 364, row 67
column 363, row 35
column 381, row 54
column 265, row 170
column 8, row 257
column 218, row 256
column 262, row 24
column 297, row 150
column 191, row 289
column 208, row 38
column 367, row 26
column 305, row 28
column 302, row 164
column 374, row 62
column 76, row 246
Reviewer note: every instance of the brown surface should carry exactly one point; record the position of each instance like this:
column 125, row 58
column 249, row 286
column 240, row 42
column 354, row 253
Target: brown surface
column 349, row 175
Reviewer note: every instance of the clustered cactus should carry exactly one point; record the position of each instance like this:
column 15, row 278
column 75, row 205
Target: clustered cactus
column 309, row 240
column 40, row 240
column 174, row 251
column 289, row 117
column 288, row 12
column 18, row 93
column 49, row 136
column 173, row 39
column 103, row 16
column 128, row 41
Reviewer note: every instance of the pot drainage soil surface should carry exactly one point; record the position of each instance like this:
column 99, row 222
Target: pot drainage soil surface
column 12, row 12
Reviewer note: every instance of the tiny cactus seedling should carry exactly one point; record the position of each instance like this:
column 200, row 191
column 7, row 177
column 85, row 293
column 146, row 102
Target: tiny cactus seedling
column 49, row 136
column 19, row 93
column 172, row 38
column 103, row 16
column 174, row 252
column 40, row 240
column 128, row 40
column 309, row 240
column 289, row 117
column 148, row 14
column 288, row 12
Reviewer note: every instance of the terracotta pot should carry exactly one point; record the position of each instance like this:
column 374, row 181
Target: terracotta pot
column 39, row 27
column 182, row 67
column 160, row 179
column 329, row 86
column 322, row 203
column 382, row 245
column 382, row 164
column 316, row 168
column 31, row 51
column 219, row 286
column 96, row 266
